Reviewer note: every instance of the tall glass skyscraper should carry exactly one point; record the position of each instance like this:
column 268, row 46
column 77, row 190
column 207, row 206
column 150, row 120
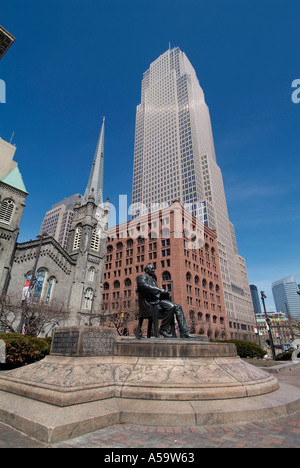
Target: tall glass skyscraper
column 175, row 159
column 286, row 298
column 255, row 299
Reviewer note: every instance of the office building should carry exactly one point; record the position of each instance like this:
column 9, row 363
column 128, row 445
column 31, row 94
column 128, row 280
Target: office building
column 174, row 158
column 58, row 220
column 6, row 40
column 255, row 299
column 189, row 272
column 286, row 298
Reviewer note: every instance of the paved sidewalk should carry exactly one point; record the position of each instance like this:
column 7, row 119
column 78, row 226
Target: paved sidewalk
column 277, row 433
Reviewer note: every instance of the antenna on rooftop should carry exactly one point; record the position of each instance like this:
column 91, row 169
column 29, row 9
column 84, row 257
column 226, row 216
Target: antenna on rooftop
column 12, row 137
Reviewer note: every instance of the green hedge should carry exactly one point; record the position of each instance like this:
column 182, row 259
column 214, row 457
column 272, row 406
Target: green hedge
column 21, row 350
column 247, row 349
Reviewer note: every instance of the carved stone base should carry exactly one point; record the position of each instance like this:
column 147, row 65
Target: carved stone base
column 142, row 369
column 150, row 381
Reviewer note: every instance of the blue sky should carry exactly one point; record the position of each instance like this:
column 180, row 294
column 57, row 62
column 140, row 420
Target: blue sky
column 75, row 61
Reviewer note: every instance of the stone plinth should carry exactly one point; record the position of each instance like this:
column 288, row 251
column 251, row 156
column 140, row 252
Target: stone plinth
column 173, row 348
column 134, row 380
column 89, row 364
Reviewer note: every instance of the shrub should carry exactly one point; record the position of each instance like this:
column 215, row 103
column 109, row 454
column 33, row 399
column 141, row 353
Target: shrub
column 247, row 349
column 22, row 350
column 287, row 356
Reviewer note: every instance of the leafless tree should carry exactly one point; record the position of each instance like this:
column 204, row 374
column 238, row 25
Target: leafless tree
column 30, row 317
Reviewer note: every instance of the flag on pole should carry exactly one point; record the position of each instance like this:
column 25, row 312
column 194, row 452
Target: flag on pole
column 25, row 290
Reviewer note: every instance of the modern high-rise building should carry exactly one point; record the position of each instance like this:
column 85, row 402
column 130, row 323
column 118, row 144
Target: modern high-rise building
column 58, row 220
column 286, row 298
column 174, row 159
column 255, row 299
column 6, row 40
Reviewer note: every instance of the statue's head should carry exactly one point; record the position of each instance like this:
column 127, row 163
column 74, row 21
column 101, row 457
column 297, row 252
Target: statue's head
column 150, row 269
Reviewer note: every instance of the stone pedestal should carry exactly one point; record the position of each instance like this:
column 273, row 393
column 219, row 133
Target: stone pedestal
column 92, row 367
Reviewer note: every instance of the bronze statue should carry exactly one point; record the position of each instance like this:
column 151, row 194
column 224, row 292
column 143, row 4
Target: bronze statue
column 151, row 296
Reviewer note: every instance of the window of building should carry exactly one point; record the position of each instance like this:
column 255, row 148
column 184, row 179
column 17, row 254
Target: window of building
column 88, row 299
column 6, row 211
column 39, row 284
column 95, row 240
column 77, row 237
column 166, row 276
column 50, row 289
column 91, row 274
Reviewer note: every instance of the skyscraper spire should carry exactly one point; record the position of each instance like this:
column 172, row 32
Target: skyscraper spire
column 95, row 183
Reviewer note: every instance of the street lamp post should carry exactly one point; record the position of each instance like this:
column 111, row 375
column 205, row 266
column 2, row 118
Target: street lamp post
column 263, row 297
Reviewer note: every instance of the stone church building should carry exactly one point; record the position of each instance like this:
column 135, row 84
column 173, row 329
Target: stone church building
column 71, row 279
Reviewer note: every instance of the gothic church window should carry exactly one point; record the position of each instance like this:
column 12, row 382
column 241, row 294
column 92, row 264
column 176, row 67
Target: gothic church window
column 95, row 241
column 88, row 299
column 50, row 289
column 39, row 284
column 77, row 238
column 6, row 210
column 91, row 274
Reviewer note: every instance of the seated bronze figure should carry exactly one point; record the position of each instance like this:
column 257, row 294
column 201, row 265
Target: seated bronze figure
column 155, row 303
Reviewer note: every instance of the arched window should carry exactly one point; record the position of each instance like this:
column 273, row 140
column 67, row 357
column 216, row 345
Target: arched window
column 211, row 286
column 39, row 284
column 204, row 283
column 6, row 211
column 109, row 249
column 196, row 279
column 127, row 283
column 119, row 246
column 200, row 316
column 166, row 276
column 106, row 286
column 117, row 284
column 50, row 289
column 91, row 274
column 95, row 241
column 88, row 299
column 188, row 277
column 77, row 237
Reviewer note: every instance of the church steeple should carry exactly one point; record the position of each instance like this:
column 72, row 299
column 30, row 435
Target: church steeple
column 96, row 176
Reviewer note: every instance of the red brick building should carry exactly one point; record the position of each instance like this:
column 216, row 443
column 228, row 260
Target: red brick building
column 185, row 254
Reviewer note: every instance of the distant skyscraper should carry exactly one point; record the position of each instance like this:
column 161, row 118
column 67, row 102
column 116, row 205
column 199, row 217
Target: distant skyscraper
column 58, row 220
column 255, row 299
column 174, row 158
column 6, row 40
column 286, row 298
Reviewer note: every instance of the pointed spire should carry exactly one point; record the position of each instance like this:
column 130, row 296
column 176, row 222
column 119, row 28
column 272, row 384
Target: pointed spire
column 96, row 176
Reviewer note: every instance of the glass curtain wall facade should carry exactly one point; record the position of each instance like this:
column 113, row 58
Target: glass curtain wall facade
column 286, row 298
column 175, row 159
